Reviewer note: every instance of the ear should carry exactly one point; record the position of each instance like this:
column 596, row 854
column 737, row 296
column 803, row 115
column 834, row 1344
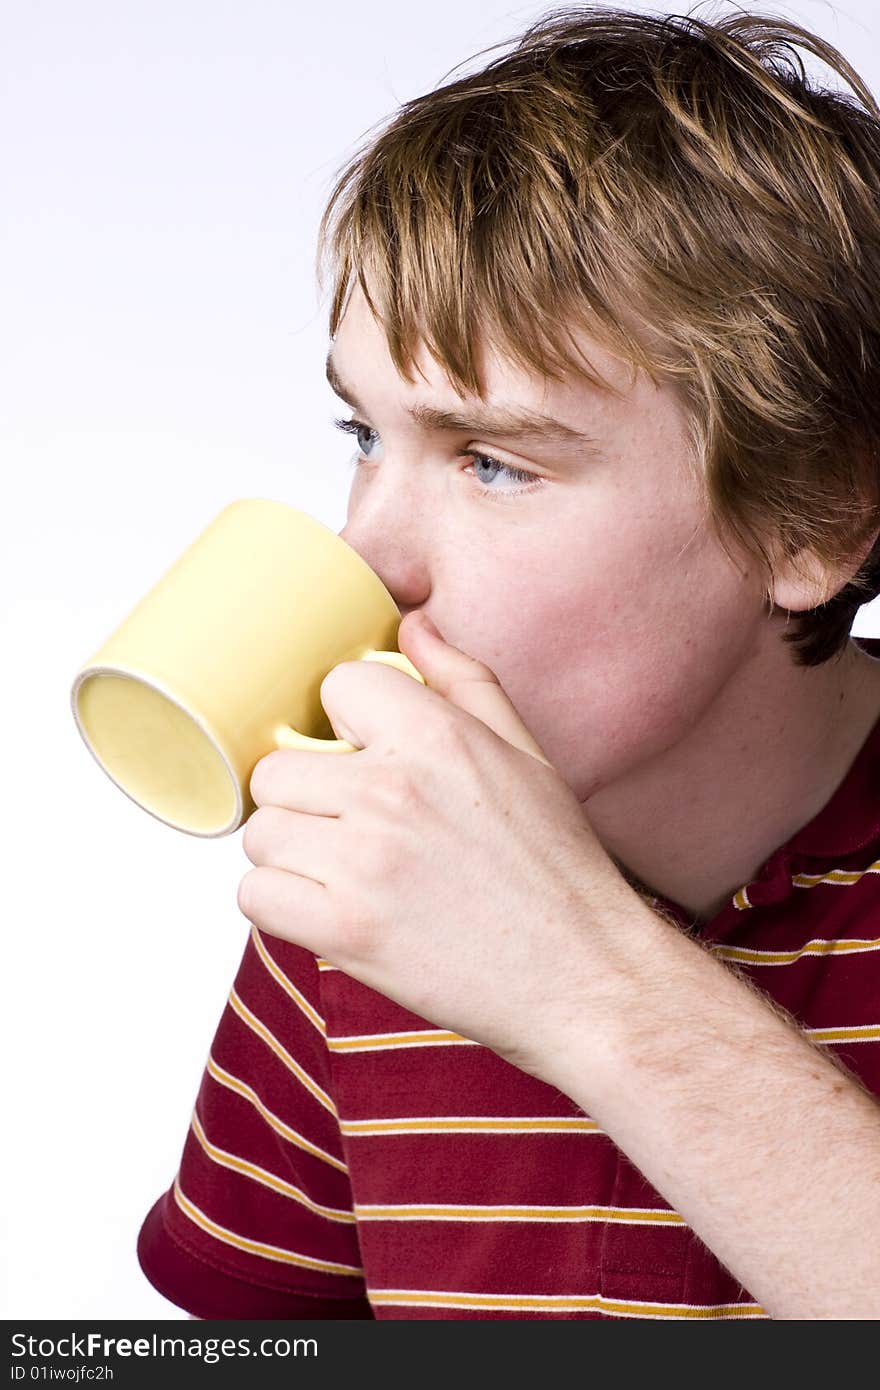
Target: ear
column 803, row 581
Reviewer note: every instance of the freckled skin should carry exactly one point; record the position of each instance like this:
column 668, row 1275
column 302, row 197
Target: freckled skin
column 642, row 659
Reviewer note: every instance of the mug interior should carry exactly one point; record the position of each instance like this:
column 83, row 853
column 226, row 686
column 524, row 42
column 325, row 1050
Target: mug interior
column 157, row 753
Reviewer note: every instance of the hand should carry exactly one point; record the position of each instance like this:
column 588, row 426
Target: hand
column 445, row 863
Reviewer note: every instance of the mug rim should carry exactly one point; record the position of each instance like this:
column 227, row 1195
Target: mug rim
column 101, row 669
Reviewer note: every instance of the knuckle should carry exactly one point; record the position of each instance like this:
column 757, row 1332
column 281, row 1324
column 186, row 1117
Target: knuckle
column 328, row 683
column 246, row 895
column 393, row 788
column 450, row 742
column 247, row 839
column 443, row 733
column 337, row 675
column 257, row 831
column 358, row 935
column 251, row 834
column 374, row 859
column 255, row 786
column 264, row 773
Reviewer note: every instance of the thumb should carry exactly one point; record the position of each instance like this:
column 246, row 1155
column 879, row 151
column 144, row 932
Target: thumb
column 464, row 681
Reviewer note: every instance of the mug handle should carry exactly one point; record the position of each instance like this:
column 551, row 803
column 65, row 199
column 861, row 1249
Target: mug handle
column 286, row 737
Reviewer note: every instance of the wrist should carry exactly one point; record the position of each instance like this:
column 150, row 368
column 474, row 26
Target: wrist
column 605, row 994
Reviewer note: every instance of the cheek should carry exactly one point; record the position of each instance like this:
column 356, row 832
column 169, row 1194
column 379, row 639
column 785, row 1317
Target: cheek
column 613, row 657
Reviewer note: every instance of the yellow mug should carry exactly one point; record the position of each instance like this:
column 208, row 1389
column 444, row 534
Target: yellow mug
column 222, row 662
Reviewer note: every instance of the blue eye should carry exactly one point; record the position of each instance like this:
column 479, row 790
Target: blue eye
column 518, row 475
column 362, row 433
column 366, row 437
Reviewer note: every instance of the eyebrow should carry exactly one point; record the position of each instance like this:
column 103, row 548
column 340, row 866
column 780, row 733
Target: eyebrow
column 516, row 424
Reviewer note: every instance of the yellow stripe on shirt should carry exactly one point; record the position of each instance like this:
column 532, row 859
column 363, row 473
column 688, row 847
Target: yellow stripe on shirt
column 379, row 1042
column 224, row 1159
column 817, row 946
column 287, row 985
column 256, row 1026
column 256, row 1247
column 293, row 1136
column 469, row 1124
column 559, row 1303
column 633, row 1216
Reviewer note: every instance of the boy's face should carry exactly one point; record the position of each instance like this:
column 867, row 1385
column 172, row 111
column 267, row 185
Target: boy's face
column 608, row 612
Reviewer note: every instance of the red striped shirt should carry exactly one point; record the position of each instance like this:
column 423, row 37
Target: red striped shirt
column 348, row 1159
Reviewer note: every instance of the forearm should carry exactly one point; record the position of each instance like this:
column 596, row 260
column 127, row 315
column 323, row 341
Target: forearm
column 761, row 1142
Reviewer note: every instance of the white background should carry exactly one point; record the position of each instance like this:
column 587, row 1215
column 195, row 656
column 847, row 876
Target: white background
column 163, row 167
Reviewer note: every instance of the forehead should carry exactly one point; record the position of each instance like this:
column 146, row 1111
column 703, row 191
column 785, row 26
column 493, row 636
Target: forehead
column 361, row 353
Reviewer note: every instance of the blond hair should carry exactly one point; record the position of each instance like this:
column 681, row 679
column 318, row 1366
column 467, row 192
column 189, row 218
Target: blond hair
column 680, row 190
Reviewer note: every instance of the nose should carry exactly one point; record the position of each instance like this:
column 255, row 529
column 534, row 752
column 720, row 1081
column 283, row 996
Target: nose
column 395, row 556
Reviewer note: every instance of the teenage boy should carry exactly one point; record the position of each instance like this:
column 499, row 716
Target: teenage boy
column 562, row 997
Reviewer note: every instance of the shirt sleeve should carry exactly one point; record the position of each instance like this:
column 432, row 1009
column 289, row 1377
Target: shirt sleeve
column 259, row 1221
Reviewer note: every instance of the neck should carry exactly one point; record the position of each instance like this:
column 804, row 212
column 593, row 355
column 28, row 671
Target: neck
column 698, row 821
